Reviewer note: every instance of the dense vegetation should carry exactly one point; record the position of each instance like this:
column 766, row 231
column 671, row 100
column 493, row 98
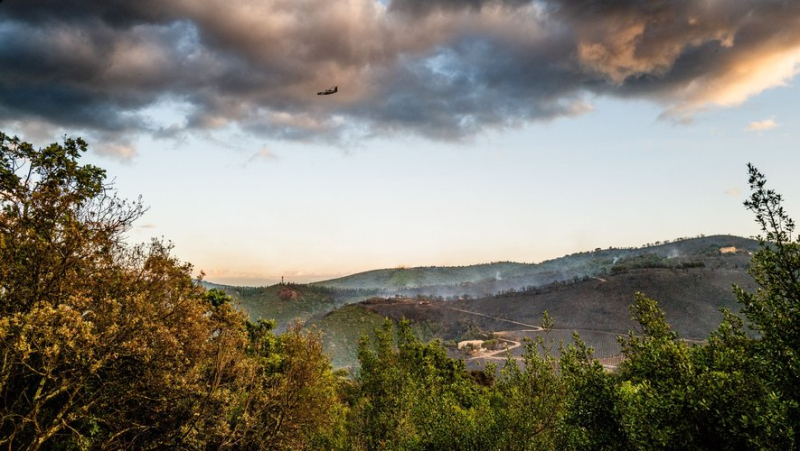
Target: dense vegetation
column 103, row 345
column 107, row 346
column 287, row 302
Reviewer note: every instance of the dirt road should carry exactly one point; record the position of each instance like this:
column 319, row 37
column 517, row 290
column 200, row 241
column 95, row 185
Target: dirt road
column 533, row 328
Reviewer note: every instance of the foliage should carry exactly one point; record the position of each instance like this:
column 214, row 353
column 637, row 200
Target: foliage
column 106, row 346
column 528, row 399
column 649, row 260
column 774, row 310
column 412, row 396
column 592, row 418
column 735, row 391
column 289, row 398
column 680, row 395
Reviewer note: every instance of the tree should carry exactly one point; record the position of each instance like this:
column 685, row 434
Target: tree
column 774, row 310
column 102, row 345
column 108, row 346
column 739, row 390
column 677, row 395
column 528, row 400
column 289, row 392
column 61, row 224
column 410, row 395
column 593, row 417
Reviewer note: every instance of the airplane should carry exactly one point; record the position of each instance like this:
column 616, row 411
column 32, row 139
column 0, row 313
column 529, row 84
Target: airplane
column 326, row 92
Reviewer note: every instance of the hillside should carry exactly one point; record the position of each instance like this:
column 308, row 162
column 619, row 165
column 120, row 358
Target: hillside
column 597, row 308
column 489, row 279
column 342, row 328
column 398, row 278
column 589, row 291
column 285, row 303
column 691, row 299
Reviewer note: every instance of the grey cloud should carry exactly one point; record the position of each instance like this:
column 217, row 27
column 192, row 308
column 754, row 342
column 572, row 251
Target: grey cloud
column 114, row 13
column 443, row 69
column 474, row 85
column 419, row 8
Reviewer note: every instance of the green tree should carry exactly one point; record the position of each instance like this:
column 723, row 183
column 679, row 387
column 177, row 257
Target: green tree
column 289, row 398
column 61, row 224
column 774, row 310
column 677, row 395
column 410, row 395
column 528, row 399
column 108, row 346
column 592, row 418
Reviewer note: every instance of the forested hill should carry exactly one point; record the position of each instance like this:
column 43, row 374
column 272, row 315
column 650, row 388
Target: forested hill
column 588, row 290
column 287, row 302
column 492, row 278
column 402, row 277
column 691, row 289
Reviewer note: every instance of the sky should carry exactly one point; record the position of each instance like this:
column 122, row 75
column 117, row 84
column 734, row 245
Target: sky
column 462, row 132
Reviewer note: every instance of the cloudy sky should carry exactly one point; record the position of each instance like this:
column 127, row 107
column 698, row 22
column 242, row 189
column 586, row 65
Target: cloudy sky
column 464, row 131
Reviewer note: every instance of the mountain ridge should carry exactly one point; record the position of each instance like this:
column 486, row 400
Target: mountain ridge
column 592, row 290
column 513, row 275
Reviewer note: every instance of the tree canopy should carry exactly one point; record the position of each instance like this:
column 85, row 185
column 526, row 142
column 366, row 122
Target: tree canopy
column 106, row 345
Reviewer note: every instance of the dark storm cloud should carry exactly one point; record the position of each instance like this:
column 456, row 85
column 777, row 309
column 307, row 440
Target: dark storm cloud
column 475, row 84
column 423, row 7
column 443, row 69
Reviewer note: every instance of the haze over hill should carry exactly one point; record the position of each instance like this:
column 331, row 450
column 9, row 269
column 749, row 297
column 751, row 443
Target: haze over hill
column 587, row 291
column 492, row 278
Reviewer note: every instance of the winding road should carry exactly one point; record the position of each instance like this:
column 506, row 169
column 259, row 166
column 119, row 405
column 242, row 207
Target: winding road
column 500, row 354
column 533, row 328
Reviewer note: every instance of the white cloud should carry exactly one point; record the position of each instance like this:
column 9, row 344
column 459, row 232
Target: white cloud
column 122, row 152
column 760, row 126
